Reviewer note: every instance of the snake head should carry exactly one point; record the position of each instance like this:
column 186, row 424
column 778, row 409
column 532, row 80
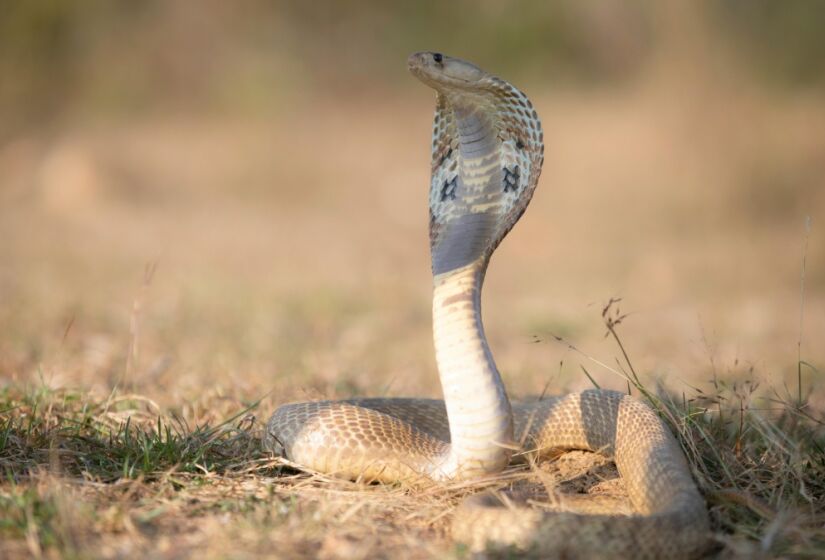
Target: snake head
column 442, row 72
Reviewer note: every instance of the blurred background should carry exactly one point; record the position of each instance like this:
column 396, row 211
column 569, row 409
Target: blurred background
column 231, row 197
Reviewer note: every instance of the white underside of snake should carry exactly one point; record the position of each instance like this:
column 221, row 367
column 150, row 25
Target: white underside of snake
column 486, row 159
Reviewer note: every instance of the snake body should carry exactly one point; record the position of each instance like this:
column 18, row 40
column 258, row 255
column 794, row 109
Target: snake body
column 487, row 154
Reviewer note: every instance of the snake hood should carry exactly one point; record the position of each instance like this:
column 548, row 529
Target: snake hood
column 487, row 153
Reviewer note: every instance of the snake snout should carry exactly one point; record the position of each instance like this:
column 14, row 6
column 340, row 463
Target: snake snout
column 416, row 62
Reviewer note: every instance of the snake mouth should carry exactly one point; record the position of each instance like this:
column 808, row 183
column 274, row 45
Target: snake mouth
column 440, row 71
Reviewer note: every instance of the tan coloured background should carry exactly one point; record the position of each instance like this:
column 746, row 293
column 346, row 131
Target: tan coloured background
column 271, row 161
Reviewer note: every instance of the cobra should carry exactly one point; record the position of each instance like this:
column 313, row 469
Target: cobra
column 487, row 154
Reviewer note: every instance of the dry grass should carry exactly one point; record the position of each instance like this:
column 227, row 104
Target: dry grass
column 128, row 424
column 88, row 478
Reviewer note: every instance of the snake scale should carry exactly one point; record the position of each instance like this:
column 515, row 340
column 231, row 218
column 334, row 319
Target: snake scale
column 487, row 154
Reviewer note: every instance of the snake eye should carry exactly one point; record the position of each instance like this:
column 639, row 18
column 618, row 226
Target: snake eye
column 438, row 57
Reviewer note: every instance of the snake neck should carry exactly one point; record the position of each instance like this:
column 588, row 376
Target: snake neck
column 481, row 422
column 482, row 179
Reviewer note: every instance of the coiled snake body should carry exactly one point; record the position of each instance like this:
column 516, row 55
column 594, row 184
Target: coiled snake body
column 486, row 159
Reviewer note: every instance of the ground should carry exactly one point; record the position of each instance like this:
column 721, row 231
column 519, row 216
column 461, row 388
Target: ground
column 167, row 282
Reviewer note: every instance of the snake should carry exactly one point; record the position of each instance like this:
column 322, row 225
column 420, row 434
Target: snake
column 487, row 155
